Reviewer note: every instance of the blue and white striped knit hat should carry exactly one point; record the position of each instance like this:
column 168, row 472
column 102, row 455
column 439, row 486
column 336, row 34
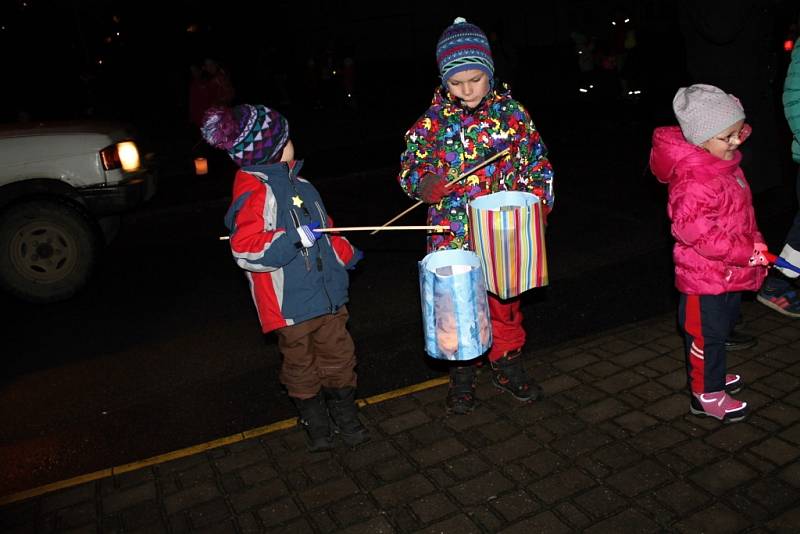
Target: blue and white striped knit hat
column 463, row 46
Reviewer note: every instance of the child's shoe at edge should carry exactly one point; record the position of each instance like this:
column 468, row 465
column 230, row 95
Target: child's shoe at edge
column 719, row 405
column 784, row 301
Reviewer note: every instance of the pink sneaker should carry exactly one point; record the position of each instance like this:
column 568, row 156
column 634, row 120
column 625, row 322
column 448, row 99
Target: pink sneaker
column 733, row 384
column 720, row 405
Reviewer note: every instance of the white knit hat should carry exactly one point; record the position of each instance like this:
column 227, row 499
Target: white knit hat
column 704, row 111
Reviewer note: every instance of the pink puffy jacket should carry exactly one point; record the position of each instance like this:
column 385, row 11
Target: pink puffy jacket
column 711, row 209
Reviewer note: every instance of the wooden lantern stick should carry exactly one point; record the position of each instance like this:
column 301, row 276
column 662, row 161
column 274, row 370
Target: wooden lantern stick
column 434, row 228
column 451, row 182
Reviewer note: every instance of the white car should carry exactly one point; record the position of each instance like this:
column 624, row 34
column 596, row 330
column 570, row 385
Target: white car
column 62, row 189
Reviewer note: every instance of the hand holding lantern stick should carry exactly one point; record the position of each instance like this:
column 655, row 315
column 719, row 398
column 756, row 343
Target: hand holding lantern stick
column 450, row 183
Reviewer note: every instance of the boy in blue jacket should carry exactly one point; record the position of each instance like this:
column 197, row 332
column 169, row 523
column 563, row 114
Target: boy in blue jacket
column 298, row 275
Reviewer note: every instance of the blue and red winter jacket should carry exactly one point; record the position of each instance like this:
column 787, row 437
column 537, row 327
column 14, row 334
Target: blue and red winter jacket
column 289, row 283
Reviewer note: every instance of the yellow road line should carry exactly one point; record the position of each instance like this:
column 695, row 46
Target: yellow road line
column 195, row 449
column 47, row 488
column 375, row 399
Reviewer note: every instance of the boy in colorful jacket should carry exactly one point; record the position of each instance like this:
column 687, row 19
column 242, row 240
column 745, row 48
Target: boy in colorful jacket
column 470, row 119
column 718, row 249
column 298, row 275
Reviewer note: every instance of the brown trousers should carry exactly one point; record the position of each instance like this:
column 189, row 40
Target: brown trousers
column 317, row 353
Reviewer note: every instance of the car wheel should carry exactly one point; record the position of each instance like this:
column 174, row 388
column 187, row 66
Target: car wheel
column 48, row 250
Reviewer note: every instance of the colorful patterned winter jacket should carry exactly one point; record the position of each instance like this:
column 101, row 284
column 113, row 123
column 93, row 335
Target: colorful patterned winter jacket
column 450, row 139
column 713, row 222
column 289, row 283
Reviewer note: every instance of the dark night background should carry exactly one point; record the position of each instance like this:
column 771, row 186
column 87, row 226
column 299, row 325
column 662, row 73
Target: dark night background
column 130, row 60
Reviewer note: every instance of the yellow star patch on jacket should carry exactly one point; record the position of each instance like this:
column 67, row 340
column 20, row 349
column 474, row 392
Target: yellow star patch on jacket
column 297, row 201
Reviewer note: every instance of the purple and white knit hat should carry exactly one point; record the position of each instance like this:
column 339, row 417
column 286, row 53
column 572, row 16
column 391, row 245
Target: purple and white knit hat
column 463, row 46
column 704, row 111
column 251, row 134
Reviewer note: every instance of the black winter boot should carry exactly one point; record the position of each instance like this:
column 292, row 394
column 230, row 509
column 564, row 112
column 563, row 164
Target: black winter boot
column 314, row 417
column 509, row 375
column 344, row 412
column 461, row 395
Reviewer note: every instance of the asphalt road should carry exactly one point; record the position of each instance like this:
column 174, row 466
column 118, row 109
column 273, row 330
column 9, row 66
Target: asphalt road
column 164, row 351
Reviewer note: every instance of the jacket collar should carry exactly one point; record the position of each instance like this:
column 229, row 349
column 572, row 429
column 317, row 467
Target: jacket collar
column 289, row 169
column 671, row 153
column 442, row 97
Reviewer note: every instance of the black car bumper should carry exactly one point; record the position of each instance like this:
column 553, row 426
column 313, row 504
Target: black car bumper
column 121, row 197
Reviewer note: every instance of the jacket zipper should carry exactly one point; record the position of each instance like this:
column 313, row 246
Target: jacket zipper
column 303, row 250
column 323, row 220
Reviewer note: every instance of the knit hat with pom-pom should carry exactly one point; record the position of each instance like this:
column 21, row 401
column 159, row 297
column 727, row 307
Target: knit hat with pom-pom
column 463, row 46
column 251, row 134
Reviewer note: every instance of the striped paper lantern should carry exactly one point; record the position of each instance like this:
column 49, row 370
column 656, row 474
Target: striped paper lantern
column 507, row 234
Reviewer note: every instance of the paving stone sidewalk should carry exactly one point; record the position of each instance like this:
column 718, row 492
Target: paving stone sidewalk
column 611, row 448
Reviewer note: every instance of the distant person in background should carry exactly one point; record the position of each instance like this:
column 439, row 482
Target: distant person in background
column 729, row 43
column 718, row 250
column 220, row 88
column 630, row 56
column 472, row 117
column 779, row 291
column 199, row 95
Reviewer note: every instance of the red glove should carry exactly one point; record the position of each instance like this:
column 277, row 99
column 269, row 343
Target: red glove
column 758, row 257
column 432, row 188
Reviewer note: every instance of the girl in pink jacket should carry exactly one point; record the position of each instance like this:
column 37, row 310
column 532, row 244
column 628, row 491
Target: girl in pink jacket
column 718, row 249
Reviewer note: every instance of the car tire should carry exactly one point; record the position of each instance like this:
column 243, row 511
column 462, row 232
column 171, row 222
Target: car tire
column 48, row 250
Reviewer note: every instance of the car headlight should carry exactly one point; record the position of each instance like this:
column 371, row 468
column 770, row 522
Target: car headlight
column 123, row 155
column 128, row 155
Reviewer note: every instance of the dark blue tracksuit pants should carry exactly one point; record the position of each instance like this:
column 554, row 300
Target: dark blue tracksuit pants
column 776, row 280
column 707, row 321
